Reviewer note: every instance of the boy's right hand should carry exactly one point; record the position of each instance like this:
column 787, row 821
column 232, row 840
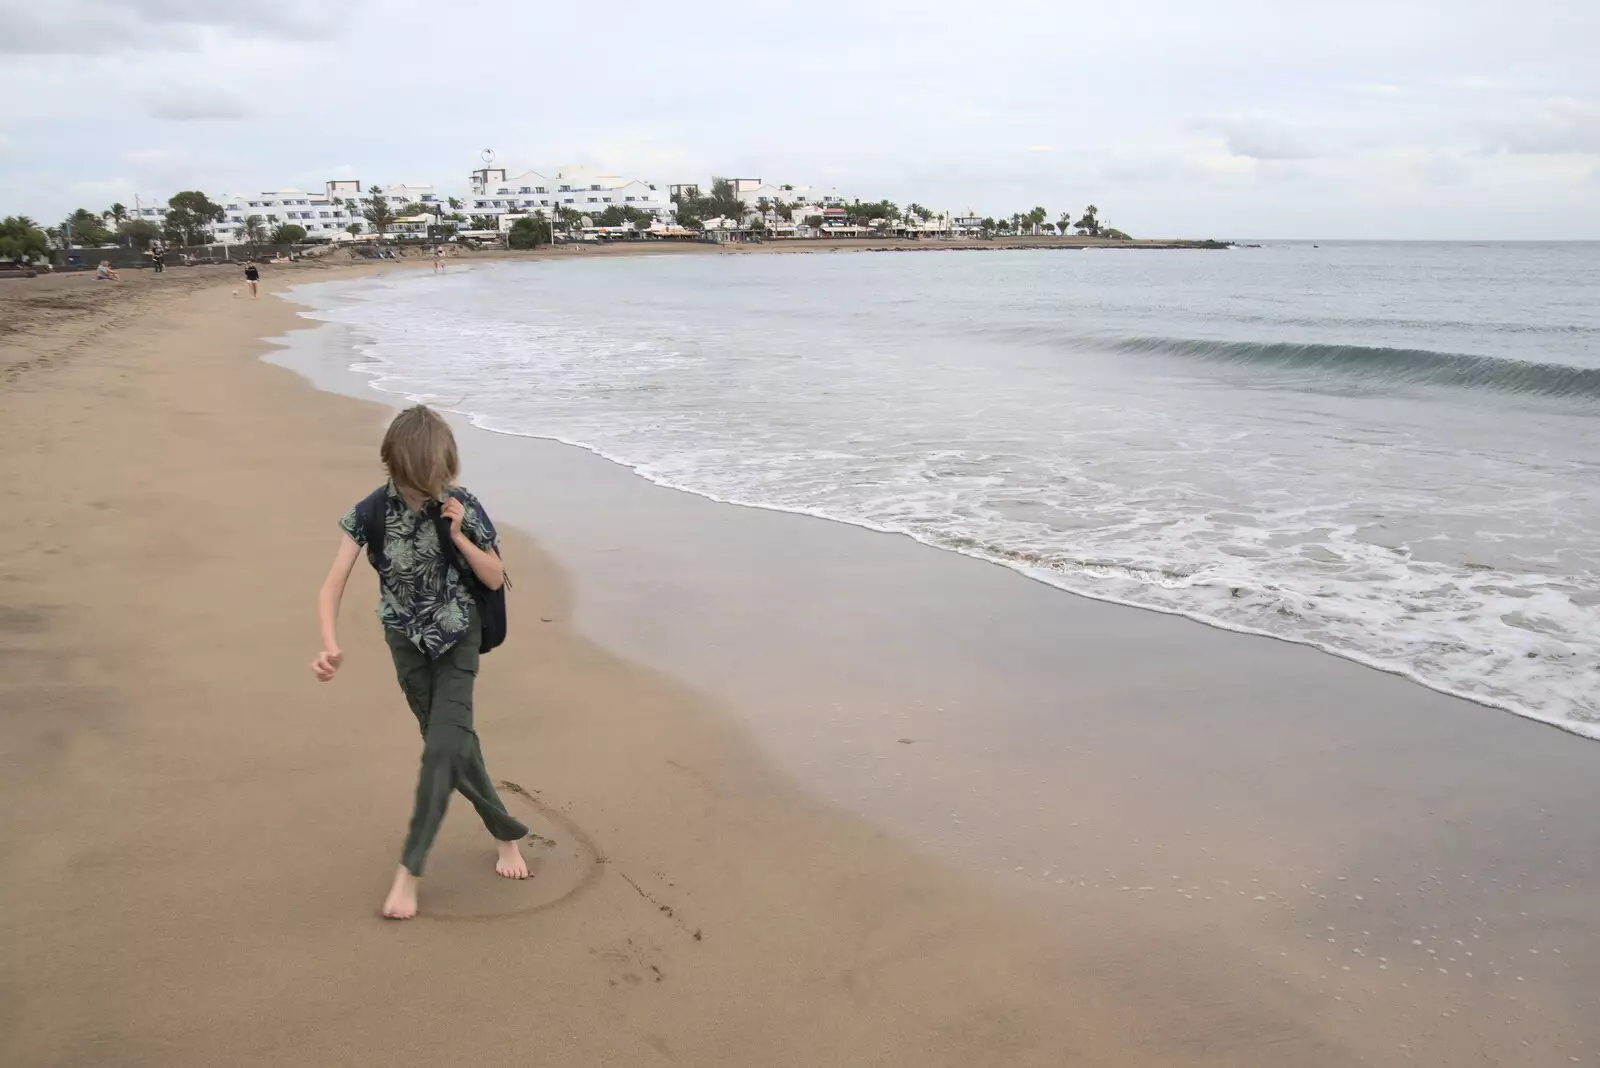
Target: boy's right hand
column 326, row 664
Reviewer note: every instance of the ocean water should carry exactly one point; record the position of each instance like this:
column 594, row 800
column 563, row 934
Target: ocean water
column 1389, row 451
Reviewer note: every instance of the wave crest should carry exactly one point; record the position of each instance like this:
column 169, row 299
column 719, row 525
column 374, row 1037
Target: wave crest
column 1400, row 366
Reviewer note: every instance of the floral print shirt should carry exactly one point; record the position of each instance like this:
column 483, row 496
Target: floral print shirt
column 421, row 592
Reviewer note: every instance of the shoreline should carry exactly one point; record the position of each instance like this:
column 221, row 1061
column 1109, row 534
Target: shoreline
column 663, row 670
column 326, row 257
column 1584, row 730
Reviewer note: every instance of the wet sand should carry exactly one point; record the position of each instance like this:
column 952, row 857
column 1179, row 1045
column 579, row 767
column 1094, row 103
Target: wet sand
column 780, row 761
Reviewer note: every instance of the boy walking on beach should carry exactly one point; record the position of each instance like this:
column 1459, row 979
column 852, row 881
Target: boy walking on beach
column 431, row 532
column 253, row 277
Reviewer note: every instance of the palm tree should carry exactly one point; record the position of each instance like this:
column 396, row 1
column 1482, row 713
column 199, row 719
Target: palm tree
column 1064, row 223
column 1037, row 217
column 116, row 215
column 86, row 228
column 254, row 230
column 378, row 211
column 1090, row 221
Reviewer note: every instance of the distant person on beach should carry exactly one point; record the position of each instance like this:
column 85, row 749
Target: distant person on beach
column 438, row 259
column 253, row 277
column 106, row 273
column 159, row 258
column 431, row 532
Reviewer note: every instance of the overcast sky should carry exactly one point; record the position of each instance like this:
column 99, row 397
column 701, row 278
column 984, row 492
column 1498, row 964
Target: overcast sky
column 1341, row 118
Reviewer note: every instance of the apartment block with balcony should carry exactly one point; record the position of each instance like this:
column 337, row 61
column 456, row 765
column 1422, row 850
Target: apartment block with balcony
column 325, row 215
column 497, row 192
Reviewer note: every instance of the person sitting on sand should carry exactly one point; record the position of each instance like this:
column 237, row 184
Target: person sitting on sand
column 433, row 629
column 106, row 273
column 252, row 275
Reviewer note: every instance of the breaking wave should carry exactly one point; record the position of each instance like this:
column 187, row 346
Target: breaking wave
column 1399, row 366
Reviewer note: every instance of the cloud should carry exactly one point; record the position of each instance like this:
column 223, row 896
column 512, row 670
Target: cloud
column 195, row 103
column 1437, row 168
column 104, row 191
column 1553, row 127
column 105, row 27
column 1262, row 137
column 153, row 158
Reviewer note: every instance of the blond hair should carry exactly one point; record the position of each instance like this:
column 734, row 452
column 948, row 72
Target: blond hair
column 420, row 452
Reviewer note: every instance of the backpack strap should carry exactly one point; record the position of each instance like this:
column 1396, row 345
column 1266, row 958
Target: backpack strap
column 441, row 527
column 444, row 533
column 372, row 513
column 491, row 604
column 452, row 555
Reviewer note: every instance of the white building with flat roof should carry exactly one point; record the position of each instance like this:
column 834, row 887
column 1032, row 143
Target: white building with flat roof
column 404, row 193
column 804, row 195
column 325, row 215
column 800, row 202
column 149, row 209
column 496, row 192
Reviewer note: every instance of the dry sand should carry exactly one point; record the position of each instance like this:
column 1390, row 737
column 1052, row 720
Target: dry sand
column 198, row 835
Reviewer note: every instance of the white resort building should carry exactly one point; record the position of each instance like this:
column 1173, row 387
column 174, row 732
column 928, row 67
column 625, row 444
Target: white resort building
column 498, row 198
column 326, row 215
column 149, row 209
column 756, row 193
column 799, row 203
column 321, row 214
column 496, row 192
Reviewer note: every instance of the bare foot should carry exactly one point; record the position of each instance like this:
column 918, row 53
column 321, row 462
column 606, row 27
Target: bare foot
column 401, row 904
column 509, row 862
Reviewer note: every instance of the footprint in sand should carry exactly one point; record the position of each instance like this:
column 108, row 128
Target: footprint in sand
column 461, row 884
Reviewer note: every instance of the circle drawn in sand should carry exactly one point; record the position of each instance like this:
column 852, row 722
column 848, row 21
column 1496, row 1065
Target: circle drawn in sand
column 460, row 882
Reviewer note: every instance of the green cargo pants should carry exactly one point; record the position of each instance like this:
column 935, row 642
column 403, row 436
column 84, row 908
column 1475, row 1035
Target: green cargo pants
column 440, row 694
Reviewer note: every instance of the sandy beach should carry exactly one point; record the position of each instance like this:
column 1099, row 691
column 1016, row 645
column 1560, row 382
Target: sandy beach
column 804, row 794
